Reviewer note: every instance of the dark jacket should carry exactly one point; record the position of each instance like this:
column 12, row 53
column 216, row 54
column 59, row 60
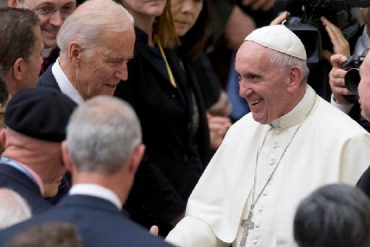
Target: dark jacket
column 16, row 180
column 176, row 149
column 47, row 79
column 98, row 222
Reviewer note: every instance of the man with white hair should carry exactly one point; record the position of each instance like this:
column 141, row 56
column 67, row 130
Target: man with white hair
column 290, row 144
column 95, row 43
column 13, row 208
column 103, row 150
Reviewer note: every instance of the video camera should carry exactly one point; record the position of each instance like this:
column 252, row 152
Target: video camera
column 305, row 21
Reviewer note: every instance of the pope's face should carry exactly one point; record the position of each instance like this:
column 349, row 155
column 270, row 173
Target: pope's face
column 185, row 13
column 364, row 88
column 52, row 14
column 262, row 84
column 100, row 69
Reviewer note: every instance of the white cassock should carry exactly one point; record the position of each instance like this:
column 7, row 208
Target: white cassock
column 328, row 147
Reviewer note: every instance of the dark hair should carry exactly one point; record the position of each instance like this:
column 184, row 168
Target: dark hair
column 17, row 35
column 50, row 234
column 4, row 93
column 193, row 42
column 335, row 215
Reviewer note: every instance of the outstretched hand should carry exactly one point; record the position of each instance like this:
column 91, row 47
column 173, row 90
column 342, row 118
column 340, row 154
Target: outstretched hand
column 340, row 43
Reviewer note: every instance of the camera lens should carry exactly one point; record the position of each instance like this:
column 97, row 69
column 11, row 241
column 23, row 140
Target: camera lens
column 351, row 80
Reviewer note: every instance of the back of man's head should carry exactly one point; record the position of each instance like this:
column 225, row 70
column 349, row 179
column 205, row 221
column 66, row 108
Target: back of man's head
column 40, row 113
column 49, row 234
column 335, row 215
column 17, row 36
column 90, row 20
column 13, row 208
column 102, row 134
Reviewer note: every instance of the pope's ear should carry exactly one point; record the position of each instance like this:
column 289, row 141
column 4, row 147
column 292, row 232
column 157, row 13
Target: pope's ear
column 295, row 78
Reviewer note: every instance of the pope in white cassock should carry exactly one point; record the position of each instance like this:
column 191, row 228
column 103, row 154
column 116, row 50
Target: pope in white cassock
column 290, row 144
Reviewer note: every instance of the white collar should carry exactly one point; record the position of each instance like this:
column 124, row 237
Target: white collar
column 96, row 191
column 65, row 84
column 363, row 42
column 299, row 112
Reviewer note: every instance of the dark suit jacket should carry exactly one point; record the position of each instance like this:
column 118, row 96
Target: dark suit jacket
column 98, row 222
column 47, row 79
column 16, row 180
column 176, row 151
column 364, row 182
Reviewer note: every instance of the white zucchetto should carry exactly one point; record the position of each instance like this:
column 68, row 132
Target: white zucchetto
column 279, row 38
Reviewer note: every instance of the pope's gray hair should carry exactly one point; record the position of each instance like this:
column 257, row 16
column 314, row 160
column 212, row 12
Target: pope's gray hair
column 284, row 61
column 90, row 20
column 102, row 134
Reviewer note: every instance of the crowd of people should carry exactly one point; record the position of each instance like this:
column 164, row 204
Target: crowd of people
column 123, row 125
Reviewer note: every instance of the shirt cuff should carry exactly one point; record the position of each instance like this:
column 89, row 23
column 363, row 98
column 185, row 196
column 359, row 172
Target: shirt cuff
column 343, row 107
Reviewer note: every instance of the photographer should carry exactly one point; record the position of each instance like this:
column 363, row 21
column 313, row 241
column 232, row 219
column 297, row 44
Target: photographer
column 340, row 92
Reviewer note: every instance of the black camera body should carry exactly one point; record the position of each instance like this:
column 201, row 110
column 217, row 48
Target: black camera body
column 305, row 21
column 352, row 77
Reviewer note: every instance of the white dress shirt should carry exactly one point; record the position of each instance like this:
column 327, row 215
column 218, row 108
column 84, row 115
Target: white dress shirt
column 65, row 84
column 96, row 191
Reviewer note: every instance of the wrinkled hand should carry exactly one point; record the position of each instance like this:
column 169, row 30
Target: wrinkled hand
column 280, row 18
column 218, row 127
column 263, row 5
column 336, row 79
column 340, row 43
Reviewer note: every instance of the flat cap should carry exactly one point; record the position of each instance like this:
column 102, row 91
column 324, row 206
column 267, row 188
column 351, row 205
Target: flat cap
column 279, row 38
column 41, row 113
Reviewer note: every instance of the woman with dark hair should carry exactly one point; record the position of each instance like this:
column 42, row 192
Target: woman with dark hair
column 172, row 116
column 191, row 19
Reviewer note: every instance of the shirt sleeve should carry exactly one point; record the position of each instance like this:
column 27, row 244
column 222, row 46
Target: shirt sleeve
column 191, row 231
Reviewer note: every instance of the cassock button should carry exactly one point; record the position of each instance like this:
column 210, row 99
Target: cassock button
column 173, row 96
column 264, row 193
column 260, row 210
column 255, row 242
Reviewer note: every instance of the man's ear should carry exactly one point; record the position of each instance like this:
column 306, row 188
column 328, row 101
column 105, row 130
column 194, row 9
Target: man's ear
column 66, row 157
column 74, row 52
column 3, row 137
column 295, row 78
column 18, row 69
column 12, row 3
column 135, row 158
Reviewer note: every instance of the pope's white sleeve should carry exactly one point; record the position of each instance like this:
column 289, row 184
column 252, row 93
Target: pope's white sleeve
column 190, row 232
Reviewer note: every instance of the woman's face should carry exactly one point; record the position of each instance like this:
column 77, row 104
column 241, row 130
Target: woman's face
column 185, row 13
column 151, row 8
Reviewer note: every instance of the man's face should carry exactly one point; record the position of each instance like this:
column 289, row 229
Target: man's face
column 364, row 88
column 99, row 70
column 32, row 65
column 262, row 83
column 52, row 14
